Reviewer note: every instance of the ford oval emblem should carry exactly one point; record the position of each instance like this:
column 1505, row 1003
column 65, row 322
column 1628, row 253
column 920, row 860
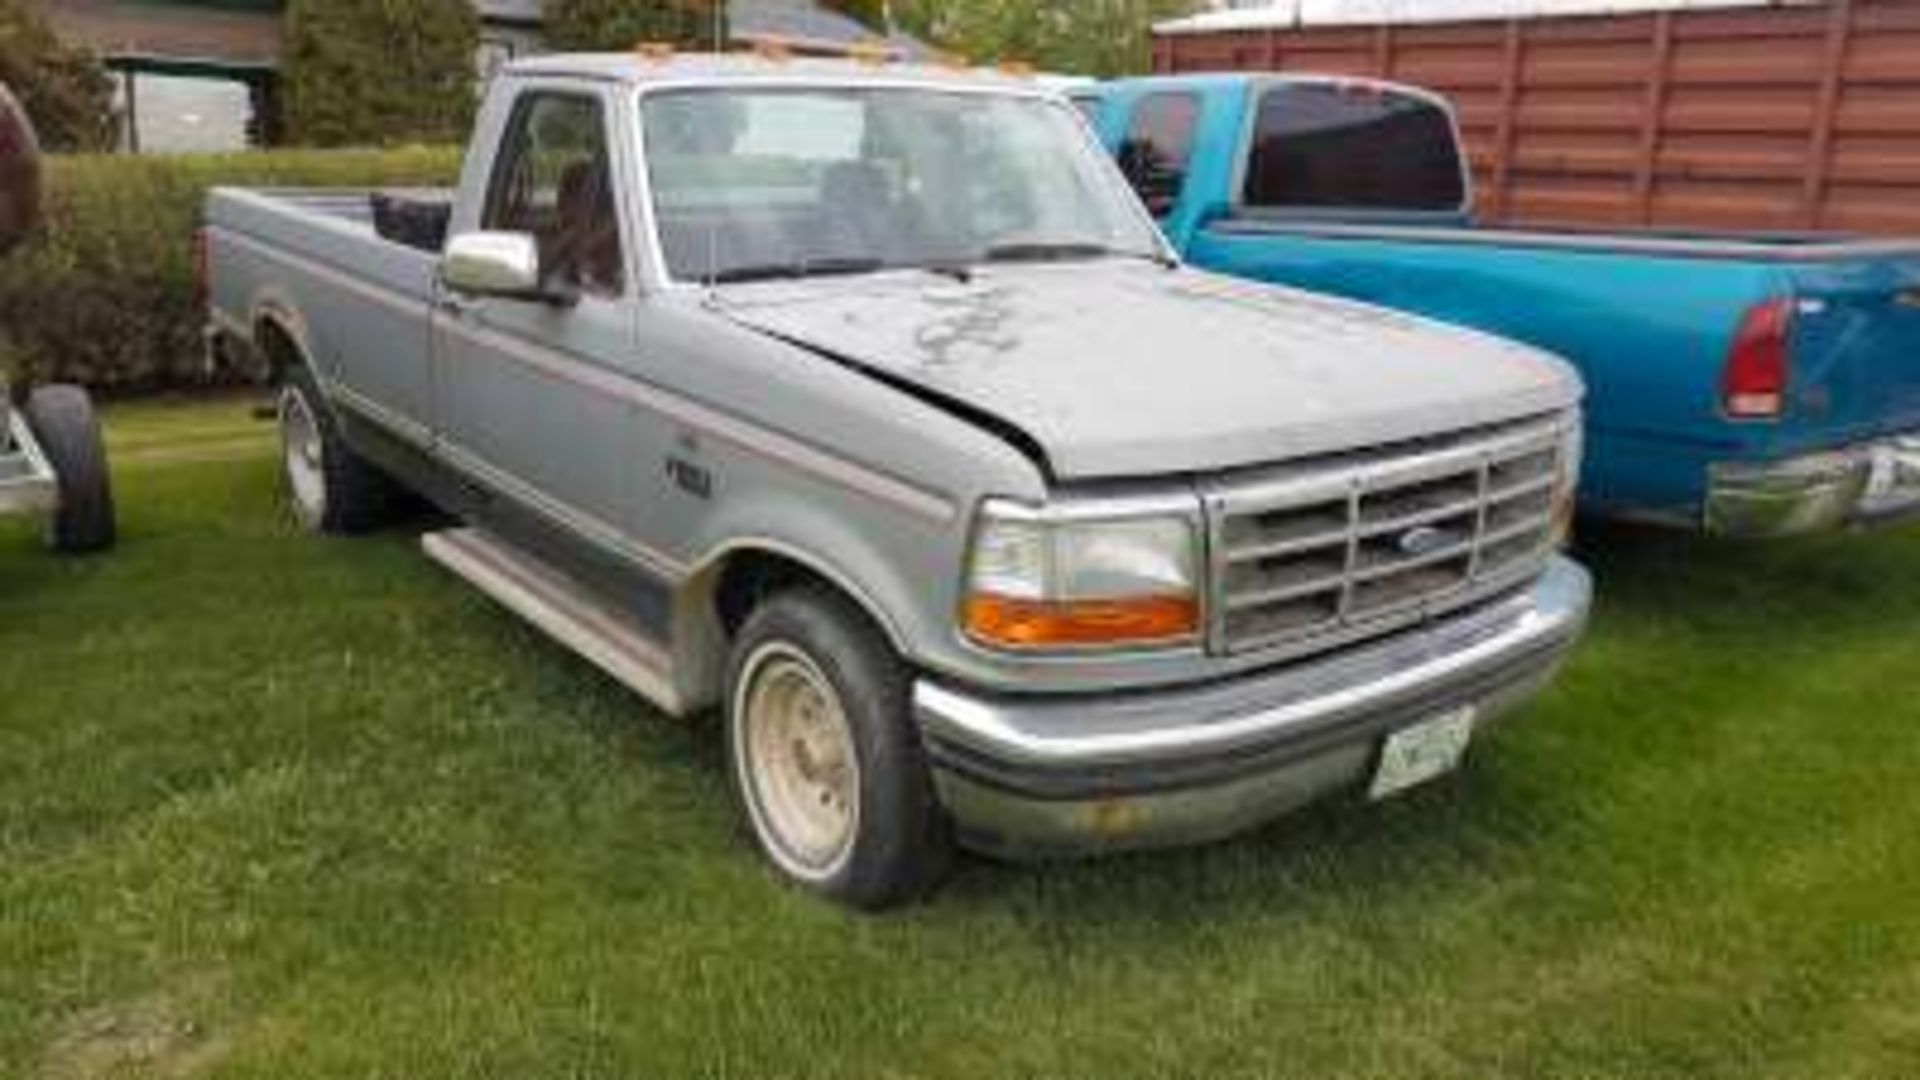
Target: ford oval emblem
column 1425, row 540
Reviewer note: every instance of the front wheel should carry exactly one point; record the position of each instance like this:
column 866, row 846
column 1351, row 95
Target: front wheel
column 824, row 755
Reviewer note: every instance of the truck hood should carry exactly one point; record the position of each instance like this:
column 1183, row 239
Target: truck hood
column 1115, row 369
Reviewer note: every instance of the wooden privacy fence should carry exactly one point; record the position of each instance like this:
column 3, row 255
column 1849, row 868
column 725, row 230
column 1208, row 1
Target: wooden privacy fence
column 1782, row 118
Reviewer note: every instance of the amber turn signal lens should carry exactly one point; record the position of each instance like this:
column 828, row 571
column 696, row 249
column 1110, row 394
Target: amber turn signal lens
column 1031, row 624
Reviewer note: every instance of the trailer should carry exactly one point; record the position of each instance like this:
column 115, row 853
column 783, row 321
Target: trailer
column 52, row 458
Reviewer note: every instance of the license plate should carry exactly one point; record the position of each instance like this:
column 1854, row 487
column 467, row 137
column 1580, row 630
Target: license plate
column 1417, row 754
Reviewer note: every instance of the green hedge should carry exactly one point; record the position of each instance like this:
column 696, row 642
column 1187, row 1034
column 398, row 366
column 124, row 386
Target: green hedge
column 378, row 72
column 103, row 295
column 576, row 25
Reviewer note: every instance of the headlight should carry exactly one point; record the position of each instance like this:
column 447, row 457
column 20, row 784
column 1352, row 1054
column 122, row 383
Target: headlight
column 1038, row 581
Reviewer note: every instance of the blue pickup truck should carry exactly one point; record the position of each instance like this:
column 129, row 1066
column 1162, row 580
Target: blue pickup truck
column 1745, row 384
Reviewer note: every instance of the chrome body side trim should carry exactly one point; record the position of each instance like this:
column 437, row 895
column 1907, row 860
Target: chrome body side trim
column 589, row 528
column 401, row 427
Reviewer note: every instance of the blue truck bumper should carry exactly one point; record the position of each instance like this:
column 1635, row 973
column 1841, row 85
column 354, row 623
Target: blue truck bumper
column 1034, row 776
column 1865, row 484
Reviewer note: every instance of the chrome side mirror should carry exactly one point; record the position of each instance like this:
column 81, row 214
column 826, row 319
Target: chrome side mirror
column 504, row 264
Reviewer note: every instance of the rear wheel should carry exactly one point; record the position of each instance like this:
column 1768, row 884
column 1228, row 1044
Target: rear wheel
column 68, row 432
column 824, row 756
column 332, row 489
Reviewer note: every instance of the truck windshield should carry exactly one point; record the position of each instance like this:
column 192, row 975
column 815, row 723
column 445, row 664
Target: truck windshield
column 752, row 183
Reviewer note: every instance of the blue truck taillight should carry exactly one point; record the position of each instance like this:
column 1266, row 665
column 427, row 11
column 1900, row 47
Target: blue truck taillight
column 1754, row 385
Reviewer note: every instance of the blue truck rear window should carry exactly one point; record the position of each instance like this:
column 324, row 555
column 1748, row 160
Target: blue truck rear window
column 1352, row 146
column 1159, row 148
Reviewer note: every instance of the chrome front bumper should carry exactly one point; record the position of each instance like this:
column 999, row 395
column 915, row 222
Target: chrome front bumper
column 1056, row 775
column 27, row 482
column 1866, row 484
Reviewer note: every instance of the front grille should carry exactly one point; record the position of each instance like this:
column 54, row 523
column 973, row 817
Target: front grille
column 1337, row 548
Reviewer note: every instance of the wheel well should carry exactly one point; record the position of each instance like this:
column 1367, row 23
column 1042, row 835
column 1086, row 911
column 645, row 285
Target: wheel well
column 749, row 576
column 278, row 348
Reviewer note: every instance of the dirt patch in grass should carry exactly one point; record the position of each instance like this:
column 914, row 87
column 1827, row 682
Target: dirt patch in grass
column 157, row 1034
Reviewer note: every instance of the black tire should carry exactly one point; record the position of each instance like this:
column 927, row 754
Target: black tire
column 64, row 424
column 901, row 842
column 341, row 492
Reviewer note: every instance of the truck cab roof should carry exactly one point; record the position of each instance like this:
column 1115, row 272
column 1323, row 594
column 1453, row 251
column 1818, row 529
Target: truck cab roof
column 642, row 69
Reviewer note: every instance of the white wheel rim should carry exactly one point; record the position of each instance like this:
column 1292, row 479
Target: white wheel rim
column 305, row 456
column 797, row 762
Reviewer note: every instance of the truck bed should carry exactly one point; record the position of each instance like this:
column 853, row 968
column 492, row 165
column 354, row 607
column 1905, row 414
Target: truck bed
column 345, row 278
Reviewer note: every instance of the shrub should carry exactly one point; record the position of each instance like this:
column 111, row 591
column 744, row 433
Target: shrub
column 622, row 24
column 1113, row 37
column 65, row 90
column 379, row 72
column 104, row 293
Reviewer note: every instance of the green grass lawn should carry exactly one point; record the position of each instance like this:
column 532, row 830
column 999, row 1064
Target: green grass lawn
column 278, row 806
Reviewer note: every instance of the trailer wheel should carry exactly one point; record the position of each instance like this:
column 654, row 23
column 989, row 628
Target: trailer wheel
column 332, row 489
column 64, row 424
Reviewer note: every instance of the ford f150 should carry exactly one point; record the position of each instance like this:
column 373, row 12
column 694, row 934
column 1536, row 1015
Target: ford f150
column 867, row 404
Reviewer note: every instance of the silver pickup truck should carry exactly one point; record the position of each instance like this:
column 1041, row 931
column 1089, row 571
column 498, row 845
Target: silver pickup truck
column 868, row 405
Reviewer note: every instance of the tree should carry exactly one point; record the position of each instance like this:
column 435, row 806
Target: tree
column 622, row 24
column 65, row 90
column 370, row 72
column 1100, row 38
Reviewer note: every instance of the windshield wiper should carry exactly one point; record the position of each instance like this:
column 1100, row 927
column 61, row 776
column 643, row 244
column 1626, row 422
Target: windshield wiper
column 1064, row 250
column 800, row 268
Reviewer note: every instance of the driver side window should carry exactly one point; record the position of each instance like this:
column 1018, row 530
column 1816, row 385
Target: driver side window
column 553, row 179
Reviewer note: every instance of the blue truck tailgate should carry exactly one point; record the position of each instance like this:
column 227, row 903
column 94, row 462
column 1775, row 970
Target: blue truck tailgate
column 1856, row 344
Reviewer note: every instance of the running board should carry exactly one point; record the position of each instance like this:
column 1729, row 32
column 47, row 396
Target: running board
column 562, row 609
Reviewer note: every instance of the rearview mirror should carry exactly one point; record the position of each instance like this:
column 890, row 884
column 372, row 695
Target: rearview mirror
column 504, row 264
